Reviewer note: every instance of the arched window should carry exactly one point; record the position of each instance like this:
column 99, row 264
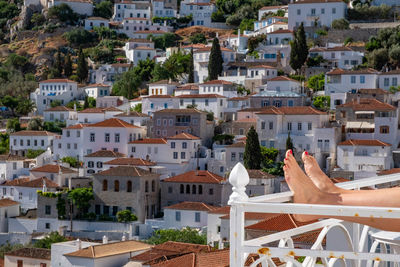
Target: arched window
column 129, row 186
column 105, row 185
column 146, row 186
column 194, row 189
column 116, row 186
column 187, row 189
column 200, row 189
column 153, row 186
column 182, row 189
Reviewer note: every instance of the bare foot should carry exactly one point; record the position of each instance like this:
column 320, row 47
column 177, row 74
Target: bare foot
column 304, row 190
column 319, row 178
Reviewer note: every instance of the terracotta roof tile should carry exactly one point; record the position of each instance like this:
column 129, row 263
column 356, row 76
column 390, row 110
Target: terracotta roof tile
column 281, row 31
column 184, row 136
column 187, row 205
column 110, row 249
column 165, row 82
column 221, row 210
column 238, row 144
column 35, row 183
column 301, row 110
column 92, row 110
column 112, row 109
column 273, row 7
column 132, row 114
column 238, row 98
column 113, row 122
column 217, row 82
column 16, row 182
column 390, row 171
column 159, row 96
column 143, row 48
column 179, row 111
column 10, row 157
column 76, row 126
column 149, row 141
column 377, row 91
column 105, row 154
column 208, row 49
column 53, row 168
column 97, row 85
column 315, row 2
column 196, row 177
column 59, row 108
column 202, row 96
column 130, row 161
column 34, row 253
column 339, row 71
column 367, row 104
column 277, row 223
column 259, row 174
column 138, row 40
column 151, row 32
column 130, row 171
column 33, row 133
column 189, row 86
column 358, row 142
column 282, row 78
column 58, row 81
column 217, row 258
column 5, row 202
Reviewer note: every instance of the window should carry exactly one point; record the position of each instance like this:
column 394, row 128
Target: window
column 197, row 217
column 92, row 137
column 35, row 142
column 20, row 195
column 105, row 185
column 99, row 164
column 233, row 156
column 115, row 210
column 184, row 145
column 129, row 186
column 116, row 186
column 28, row 142
column 153, row 186
column 146, row 186
column 298, row 12
column 312, row 11
column 206, row 102
column 384, row 129
column 362, row 79
column 20, row 263
column 263, row 125
column 107, row 137
column 97, row 209
column 200, row 189
column 4, row 191
column 183, row 155
column 90, row 164
column 271, row 125
column 116, row 138
column 386, row 82
column 182, row 189
column 394, row 81
column 170, row 190
column 42, row 142
column 172, row 144
column 12, row 192
column 211, row 191
column 14, row 165
column 310, row 126
column 322, row 10
column 47, row 225
column 353, row 79
column 47, row 209
column 194, row 189
column 175, row 155
column 289, row 126
column 299, row 126
column 177, row 216
column 334, row 10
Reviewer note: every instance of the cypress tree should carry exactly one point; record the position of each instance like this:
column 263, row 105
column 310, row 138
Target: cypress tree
column 58, row 65
column 191, row 68
column 86, row 103
column 83, row 70
column 289, row 143
column 299, row 49
column 215, row 61
column 252, row 153
column 67, row 65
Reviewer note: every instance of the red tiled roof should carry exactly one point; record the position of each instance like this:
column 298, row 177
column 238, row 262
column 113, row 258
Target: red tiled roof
column 282, row 78
column 357, row 142
column 132, row 114
column 188, row 86
column 53, row 168
column 58, row 81
column 273, row 7
column 149, row 141
column 159, row 96
column 130, row 171
column 202, row 96
column 130, row 161
column 76, row 126
column 367, row 104
column 259, row 174
column 105, row 154
column 277, row 223
column 34, row 253
column 301, row 110
column 33, row 133
column 238, row 98
column 217, row 258
column 315, row 1
column 163, row 82
column 187, row 205
column 221, row 210
column 6, row 202
column 92, row 110
column 208, row 49
column 339, row 71
column 143, row 48
column 184, row 136
column 390, row 171
column 281, row 31
column 16, row 182
column 35, row 183
column 217, row 82
column 196, row 177
column 97, row 85
column 59, row 108
column 112, row 109
column 336, row 48
column 114, row 122
column 137, row 40
column 151, row 32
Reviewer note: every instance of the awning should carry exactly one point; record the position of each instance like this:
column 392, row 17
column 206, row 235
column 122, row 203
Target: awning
column 364, row 112
column 359, row 125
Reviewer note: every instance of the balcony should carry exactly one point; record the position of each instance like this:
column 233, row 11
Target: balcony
column 354, row 250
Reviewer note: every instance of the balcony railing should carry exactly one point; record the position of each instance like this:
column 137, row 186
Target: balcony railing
column 354, row 250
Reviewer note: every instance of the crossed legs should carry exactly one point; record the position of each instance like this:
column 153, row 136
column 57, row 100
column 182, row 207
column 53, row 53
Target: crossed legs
column 317, row 188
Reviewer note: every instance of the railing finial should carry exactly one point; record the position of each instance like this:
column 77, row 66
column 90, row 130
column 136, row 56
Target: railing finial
column 238, row 178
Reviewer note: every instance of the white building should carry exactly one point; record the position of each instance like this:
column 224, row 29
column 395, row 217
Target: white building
column 163, row 87
column 214, row 225
column 12, row 166
column 111, row 134
column 151, row 104
column 8, row 208
column 24, row 190
column 214, row 103
column 284, row 84
column 130, row 26
column 59, row 249
column 134, row 118
column 201, row 57
column 108, row 102
column 94, row 162
column 187, row 89
column 389, row 79
column 22, row 141
column 147, row 33
column 280, row 37
column 160, row 10
column 315, row 12
column 28, row 257
column 200, row 10
column 365, row 158
column 342, row 57
column 92, row 22
column 82, row 7
column 279, row 54
column 137, row 50
column 309, row 130
column 93, row 115
column 62, row 90
column 219, row 87
column 56, row 173
column 131, row 9
column 107, row 73
column 266, row 10
column 97, row 90
column 261, row 24
column 60, row 113
column 187, row 214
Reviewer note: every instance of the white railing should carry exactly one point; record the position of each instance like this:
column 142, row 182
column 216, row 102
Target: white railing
column 353, row 248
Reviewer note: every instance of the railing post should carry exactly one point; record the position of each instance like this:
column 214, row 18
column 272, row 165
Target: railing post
column 238, row 178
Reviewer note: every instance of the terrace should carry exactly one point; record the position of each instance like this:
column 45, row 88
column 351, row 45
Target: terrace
column 350, row 244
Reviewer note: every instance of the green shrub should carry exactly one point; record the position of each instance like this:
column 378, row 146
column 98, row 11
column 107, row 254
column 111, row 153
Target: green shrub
column 32, row 154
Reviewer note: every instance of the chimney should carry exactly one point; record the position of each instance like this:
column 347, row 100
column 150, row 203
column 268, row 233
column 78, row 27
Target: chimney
column 79, row 244
column 123, row 237
column 105, row 240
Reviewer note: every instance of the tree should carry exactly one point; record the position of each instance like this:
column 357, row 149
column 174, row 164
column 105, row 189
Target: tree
column 32, row 154
column 126, row 216
column 198, row 38
column 13, row 125
column 322, row 102
column 82, row 70
column 299, row 49
column 10, row 102
column 378, row 58
column 35, row 124
column 64, row 13
column 164, row 41
column 218, row 16
column 72, row 161
column 317, row 82
column 25, row 106
column 67, row 65
column 394, row 55
column 79, row 36
column 38, row 19
column 58, row 65
column 81, row 197
column 340, row 24
column 55, row 103
column 138, row 108
column 103, row 9
column 185, row 235
column 289, row 143
column 252, row 153
column 215, row 62
column 17, row 61
column 160, row 73
column 53, row 237
column 86, row 103
column 191, row 68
